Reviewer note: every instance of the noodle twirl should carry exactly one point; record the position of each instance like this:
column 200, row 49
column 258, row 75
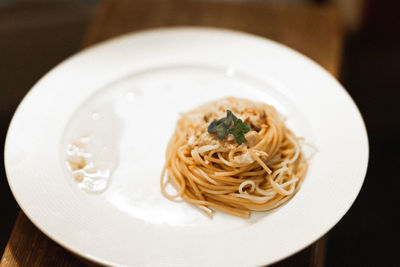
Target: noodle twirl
column 214, row 172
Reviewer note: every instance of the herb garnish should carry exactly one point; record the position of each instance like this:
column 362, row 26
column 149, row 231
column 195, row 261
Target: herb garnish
column 224, row 126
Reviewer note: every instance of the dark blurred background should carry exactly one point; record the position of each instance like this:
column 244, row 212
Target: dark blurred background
column 36, row 35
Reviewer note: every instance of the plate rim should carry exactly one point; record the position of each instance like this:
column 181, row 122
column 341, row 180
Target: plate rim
column 173, row 29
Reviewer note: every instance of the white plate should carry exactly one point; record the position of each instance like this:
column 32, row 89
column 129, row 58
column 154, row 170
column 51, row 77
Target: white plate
column 127, row 93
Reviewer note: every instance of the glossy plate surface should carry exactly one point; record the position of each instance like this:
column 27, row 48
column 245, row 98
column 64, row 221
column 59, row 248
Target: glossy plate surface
column 120, row 101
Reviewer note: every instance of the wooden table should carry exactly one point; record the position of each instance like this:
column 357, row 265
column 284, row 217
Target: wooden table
column 315, row 31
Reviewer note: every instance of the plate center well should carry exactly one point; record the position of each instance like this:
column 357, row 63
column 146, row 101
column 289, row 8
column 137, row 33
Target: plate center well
column 114, row 145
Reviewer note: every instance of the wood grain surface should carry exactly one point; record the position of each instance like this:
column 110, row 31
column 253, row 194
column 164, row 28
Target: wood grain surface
column 315, row 31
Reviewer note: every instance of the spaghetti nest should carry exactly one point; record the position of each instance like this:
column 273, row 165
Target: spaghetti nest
column 212, row 174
